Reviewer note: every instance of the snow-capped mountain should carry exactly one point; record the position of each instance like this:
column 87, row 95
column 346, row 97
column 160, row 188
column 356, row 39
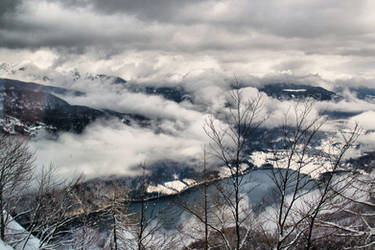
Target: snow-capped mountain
column 68, row 79
column 32, row 73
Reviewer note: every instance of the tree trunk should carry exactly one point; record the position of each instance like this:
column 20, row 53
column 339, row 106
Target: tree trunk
column 2, row 219
column 114, row 231
column 238, row 236
column 142, row 217
column 205, row 202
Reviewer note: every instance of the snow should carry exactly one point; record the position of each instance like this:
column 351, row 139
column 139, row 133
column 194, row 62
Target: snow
column 159, row 189
column 226, row 172
column 258, row 158
column 171, row 187
column 9, row 124
column 294, row 90
column 175, row 185
column 311, row 165
column 17, row 235
column 4, row 246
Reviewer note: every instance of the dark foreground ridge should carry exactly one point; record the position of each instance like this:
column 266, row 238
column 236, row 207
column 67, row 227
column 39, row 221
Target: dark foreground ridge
column 33, row 104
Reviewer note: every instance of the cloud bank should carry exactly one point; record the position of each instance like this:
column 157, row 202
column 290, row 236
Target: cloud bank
column 112, row 148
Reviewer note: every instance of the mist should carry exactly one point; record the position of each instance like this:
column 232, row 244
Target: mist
column 111, row 148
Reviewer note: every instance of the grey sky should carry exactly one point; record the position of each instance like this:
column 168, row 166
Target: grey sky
column 333, row 38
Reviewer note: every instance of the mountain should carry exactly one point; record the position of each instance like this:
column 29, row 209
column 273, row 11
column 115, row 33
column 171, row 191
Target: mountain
column 296, row 91
column 177, row 94
column 333, row 114
column 363, row 93
column 36, row 74
column 30, row 105
column 173, row 93
column 10, row 84
column 103, row 77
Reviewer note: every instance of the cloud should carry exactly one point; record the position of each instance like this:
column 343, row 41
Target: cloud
column 367, row 143
column 112, row 148
column 365, row 120
column 164, row 10
column 293, row 18
column 333, row 39
column 40, row 23
column 7, row 7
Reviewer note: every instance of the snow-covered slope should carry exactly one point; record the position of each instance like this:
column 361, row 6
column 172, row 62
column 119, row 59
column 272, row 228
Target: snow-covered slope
column 4, row 246
column 18, row 234
column 17, row 237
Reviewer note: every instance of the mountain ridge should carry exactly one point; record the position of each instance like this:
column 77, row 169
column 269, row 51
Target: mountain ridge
column 32, row 103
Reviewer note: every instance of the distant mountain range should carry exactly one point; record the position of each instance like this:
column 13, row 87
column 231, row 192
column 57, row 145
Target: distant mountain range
column 26, row 105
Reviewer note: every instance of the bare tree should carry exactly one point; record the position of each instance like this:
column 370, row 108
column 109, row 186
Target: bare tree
column 134, row 221
column 300, row 197
column 202, row 207
column 229, row 146
column 146, row 220
column 141, row 222
column 329, row 186
column 290, row 163
column 356, row 206
column 39, row 202
column 50, row 208
column 119, row 215
column 205, row 199
column 96, row 212
column 16, row 171
column 86, row 235
column 84, row 238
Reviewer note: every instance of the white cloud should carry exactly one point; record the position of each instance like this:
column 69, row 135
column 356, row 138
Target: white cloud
column 112, row 148
column 365, row 120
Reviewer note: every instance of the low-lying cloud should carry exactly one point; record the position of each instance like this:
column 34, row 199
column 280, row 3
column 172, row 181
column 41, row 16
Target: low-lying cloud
column 112, row 148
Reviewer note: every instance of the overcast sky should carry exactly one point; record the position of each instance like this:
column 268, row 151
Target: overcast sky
column 165, row 40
